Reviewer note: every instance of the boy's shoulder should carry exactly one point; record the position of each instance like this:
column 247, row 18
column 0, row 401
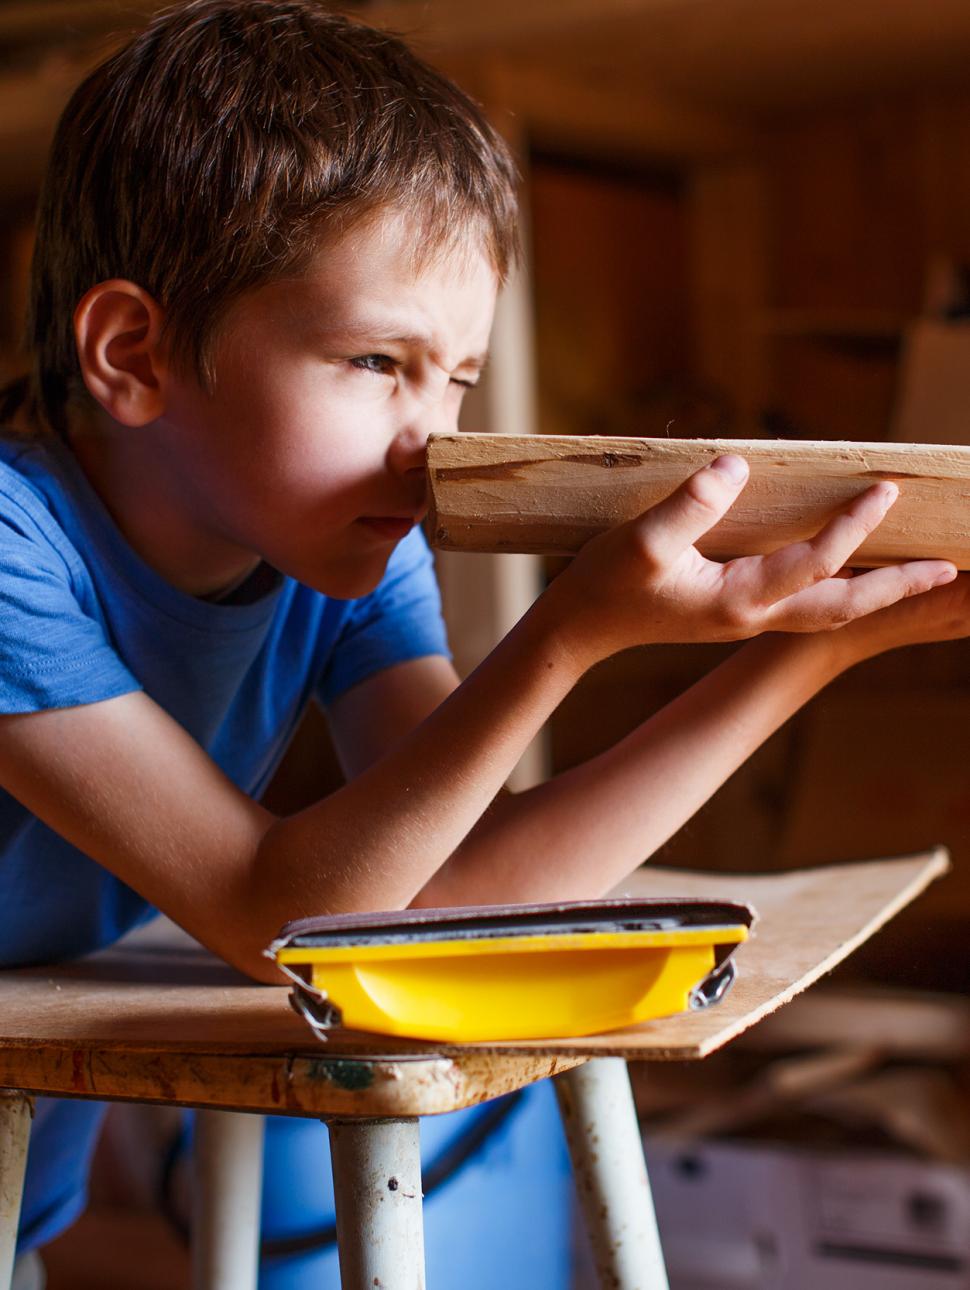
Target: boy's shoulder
column 34, row 499
column 25, row 460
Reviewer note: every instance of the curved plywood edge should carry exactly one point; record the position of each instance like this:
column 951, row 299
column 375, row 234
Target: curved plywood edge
column 809, row 920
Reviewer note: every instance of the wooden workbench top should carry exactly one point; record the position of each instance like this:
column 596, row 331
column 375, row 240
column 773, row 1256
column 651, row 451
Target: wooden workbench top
column 151, row 1021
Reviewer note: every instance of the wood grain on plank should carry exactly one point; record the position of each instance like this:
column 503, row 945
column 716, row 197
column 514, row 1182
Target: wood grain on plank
column 551, row 494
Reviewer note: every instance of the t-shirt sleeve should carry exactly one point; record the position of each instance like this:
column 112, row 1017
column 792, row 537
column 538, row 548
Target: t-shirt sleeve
column 398, row 621
column 53, row 653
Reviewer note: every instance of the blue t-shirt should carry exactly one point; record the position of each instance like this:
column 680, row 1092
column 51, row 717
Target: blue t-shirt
column 83, row 618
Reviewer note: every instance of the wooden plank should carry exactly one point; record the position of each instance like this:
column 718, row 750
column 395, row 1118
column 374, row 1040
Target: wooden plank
column 551, row 494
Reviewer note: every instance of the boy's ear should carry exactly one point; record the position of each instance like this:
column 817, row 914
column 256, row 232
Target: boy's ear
column 118, row 330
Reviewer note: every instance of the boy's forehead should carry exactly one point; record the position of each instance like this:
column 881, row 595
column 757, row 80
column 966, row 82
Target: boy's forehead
column 394, row 247
column 368, row 284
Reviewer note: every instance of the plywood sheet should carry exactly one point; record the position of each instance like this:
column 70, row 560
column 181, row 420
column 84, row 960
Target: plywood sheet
column 809, row 921
column 177, row 1026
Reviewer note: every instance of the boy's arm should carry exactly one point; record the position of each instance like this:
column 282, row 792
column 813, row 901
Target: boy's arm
column 582, row 832
column 126, row 785
column 577, row 835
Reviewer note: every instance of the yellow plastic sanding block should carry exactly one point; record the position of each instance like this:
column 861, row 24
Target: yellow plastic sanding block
column 489, row 973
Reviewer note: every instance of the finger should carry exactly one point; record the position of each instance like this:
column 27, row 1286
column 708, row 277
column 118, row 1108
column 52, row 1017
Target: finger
column 676, row 523
column 838, row 601
column 802, row 564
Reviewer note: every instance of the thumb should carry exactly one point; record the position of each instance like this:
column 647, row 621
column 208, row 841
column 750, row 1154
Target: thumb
column 677, row 522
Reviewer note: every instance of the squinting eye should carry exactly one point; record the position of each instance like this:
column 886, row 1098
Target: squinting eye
column 466, row 385
column 381, row 364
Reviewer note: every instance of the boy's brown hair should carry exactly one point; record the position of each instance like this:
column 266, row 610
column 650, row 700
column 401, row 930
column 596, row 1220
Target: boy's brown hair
column 215, row 151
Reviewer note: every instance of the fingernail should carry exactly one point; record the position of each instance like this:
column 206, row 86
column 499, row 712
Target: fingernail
column 889, row 493
column 946, row 576
column 736, row 468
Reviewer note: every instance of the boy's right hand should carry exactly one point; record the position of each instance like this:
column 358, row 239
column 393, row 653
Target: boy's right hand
column 645, row 582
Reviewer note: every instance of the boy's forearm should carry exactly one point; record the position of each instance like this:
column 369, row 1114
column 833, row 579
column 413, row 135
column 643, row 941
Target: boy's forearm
column 376, row 842
column 578, row 835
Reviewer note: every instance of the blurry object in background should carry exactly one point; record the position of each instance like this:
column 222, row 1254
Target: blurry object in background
column 946, row 292
column 880, row 773
column 763, row 1215
column 777, row 424
column 933, row 393
column 16, row 249
column 897, row 1023
column 923, row 1110
column 933, row 404
column 682, row 409
column 609, row 249
column 842, row 1160
column 123, row 1239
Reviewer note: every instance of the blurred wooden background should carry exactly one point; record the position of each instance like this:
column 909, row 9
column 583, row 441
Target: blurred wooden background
column 738, row 213
column 744, row 217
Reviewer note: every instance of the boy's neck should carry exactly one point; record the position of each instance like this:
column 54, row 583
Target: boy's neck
column 133, row 479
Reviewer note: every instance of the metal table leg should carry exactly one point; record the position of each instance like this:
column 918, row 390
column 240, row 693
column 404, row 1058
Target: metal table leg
column 377, row 1189
column 228, row 1193
column 596, row 1104
column 15, row 1113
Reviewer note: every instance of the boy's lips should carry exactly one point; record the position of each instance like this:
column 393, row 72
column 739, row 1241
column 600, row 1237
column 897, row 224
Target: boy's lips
column 390, row 527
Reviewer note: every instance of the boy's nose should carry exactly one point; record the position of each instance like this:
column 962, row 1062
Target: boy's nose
column 407, row 450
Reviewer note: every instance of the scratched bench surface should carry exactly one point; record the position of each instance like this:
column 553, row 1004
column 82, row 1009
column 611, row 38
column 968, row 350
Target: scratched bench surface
column 155, row 1020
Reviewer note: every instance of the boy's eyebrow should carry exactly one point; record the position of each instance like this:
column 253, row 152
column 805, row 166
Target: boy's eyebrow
column 477, row 362
column 381, row 334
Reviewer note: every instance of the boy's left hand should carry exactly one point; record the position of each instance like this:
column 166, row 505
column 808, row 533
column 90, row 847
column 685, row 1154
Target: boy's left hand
column 941, row 614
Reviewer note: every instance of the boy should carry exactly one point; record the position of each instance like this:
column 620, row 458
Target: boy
column 268, row 252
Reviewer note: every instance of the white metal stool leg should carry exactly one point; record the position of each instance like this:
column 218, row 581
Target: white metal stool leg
column 598, row 1114
column 377, row 1189
column 228, row 1192
column 15, row 1113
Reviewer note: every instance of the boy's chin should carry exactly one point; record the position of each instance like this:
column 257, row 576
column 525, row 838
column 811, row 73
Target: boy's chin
column 346, row 582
